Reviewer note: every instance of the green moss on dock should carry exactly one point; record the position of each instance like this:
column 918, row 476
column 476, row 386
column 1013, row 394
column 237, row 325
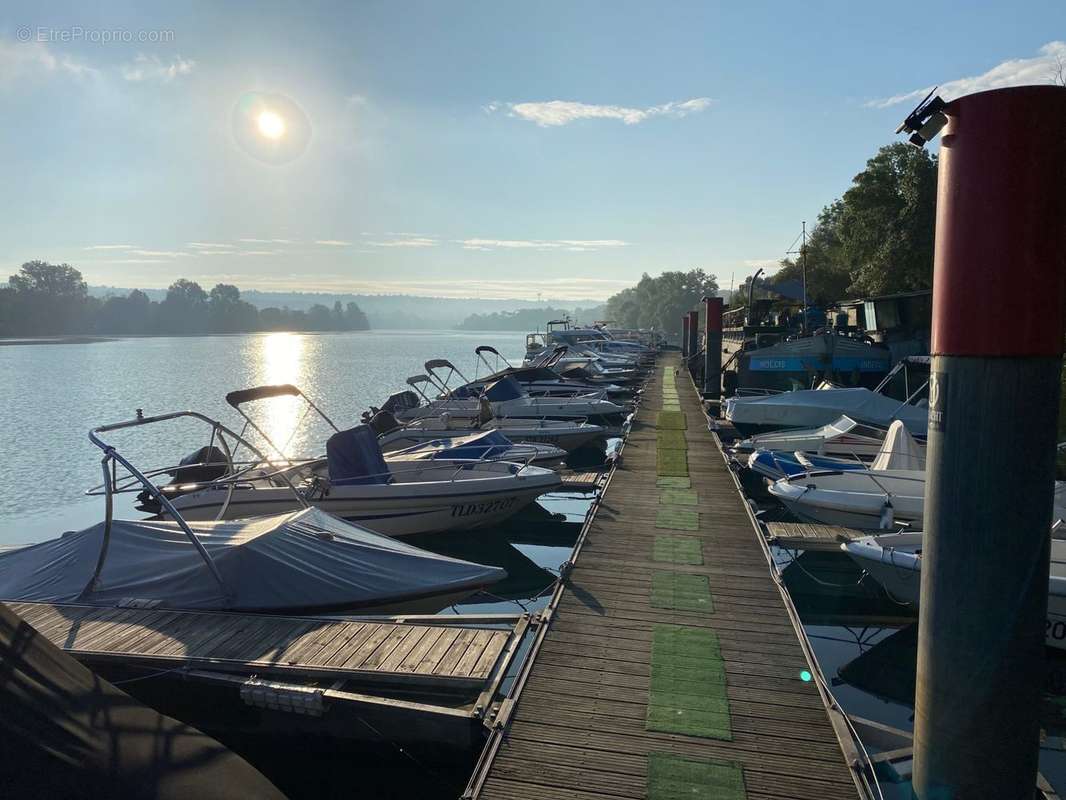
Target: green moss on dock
column 672, row 462
column 671, row 419
column 678, row 519
column 678, row 497
column 688, row 684
column 677, row 550
column 681, row 592
column 671, row 439
column 671, row 482
column 671, row 777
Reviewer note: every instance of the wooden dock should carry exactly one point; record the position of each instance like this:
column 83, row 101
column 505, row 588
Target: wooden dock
column 804, row 536
column 672, row 665
column 451, row 657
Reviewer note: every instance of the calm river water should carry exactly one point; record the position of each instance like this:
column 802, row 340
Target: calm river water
column 51, row 395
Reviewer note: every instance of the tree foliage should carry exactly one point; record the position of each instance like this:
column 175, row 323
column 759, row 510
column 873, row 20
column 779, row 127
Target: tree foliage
column 45, row 299
column 659, row 302
column 878, row 237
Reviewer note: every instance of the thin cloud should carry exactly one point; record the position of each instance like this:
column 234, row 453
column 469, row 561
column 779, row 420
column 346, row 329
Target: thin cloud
column 266, row 241
column 333, row 243
column 19, row 60
column 576, row 245
column 208, row 245
column 554, row 113
column 109, row 247
column 152, row 68
column 160, row 253
column 1040, row 69
column 258, row 253
column 414, row 242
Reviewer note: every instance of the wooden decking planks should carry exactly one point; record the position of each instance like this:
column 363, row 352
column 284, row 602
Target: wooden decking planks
column 581, row 726
column 307, row 646
column 804, row 536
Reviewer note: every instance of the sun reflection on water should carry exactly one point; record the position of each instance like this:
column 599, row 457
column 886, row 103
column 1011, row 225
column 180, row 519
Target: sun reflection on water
column 281, row 361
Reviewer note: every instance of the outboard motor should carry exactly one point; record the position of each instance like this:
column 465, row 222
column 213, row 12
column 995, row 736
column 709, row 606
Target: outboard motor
column 204, row 465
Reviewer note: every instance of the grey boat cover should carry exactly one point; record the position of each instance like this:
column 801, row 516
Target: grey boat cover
column 305, row 560
column 809, row 408
column 68, row 733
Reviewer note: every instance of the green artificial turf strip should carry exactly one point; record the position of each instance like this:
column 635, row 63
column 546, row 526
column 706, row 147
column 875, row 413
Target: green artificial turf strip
column 688, row 684
column 678, row 497
column 671, row 439
column 670, row 419
column 674, row 483
column 681, row 591
column 677, row 519
column 677, row 549
column 672, row 462
column 671, row 777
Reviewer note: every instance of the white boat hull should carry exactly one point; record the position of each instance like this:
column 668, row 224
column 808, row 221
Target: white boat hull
column 894, row 562
column 397, row 509
column 855, row 498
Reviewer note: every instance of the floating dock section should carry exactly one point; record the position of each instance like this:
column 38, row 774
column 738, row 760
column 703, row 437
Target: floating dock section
column 673, row 664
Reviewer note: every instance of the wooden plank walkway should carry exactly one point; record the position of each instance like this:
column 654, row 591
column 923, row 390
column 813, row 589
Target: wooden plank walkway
column 452, row 657
column 671, row 668
column 805, row 536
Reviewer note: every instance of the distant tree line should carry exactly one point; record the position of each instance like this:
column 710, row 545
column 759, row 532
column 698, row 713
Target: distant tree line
column 526, row 319
column 659, row 302
column 45, row 299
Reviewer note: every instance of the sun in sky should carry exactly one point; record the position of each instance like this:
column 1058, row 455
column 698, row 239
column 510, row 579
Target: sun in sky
column 271, row 124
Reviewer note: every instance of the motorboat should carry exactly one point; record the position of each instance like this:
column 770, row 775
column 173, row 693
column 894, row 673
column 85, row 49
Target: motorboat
column 478, row 446
column 356, row 482
column 541, row 379
column 300, row 561
column 807, row 408
column 897, row 450
column 895, row 561
column 889, row 493
column 566, row 435
column 507, row 400
column 844, row 437
column 776, row 464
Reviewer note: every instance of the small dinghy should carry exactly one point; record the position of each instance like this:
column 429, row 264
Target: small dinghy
column 895, row 561
column 890, row 492
column 302, row 561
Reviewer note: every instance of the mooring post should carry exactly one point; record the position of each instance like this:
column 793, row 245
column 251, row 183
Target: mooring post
column 712, row 355
column 997, row 342
column 693, row 340
column 684, row 338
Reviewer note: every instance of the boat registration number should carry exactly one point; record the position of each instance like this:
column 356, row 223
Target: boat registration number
column 488, row 507
column 1055, row 630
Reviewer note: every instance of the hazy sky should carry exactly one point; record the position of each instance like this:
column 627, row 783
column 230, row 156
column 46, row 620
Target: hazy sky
column 495, row 149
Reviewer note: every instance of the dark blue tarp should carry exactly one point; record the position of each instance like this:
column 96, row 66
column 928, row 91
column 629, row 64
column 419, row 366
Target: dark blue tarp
column 488, row 445
column 354, row 457
column 506, row 388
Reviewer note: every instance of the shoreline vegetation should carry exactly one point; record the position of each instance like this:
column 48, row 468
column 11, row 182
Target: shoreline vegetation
column 48, row 301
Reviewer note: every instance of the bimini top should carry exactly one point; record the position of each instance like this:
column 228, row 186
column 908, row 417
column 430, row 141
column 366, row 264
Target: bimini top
column 506, row 388
column 304, row 561
column 490, row 444
column 354, row 457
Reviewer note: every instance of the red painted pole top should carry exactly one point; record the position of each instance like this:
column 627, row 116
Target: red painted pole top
column 713, row 308
column 1000, row 264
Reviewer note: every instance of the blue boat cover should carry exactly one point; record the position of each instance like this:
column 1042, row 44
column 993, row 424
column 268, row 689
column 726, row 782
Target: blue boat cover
column 506, row 388
column 487, row 445
column 776, row 464
column 354, row 457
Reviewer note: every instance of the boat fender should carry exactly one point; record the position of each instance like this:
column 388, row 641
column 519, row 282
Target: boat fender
column 887, row 515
